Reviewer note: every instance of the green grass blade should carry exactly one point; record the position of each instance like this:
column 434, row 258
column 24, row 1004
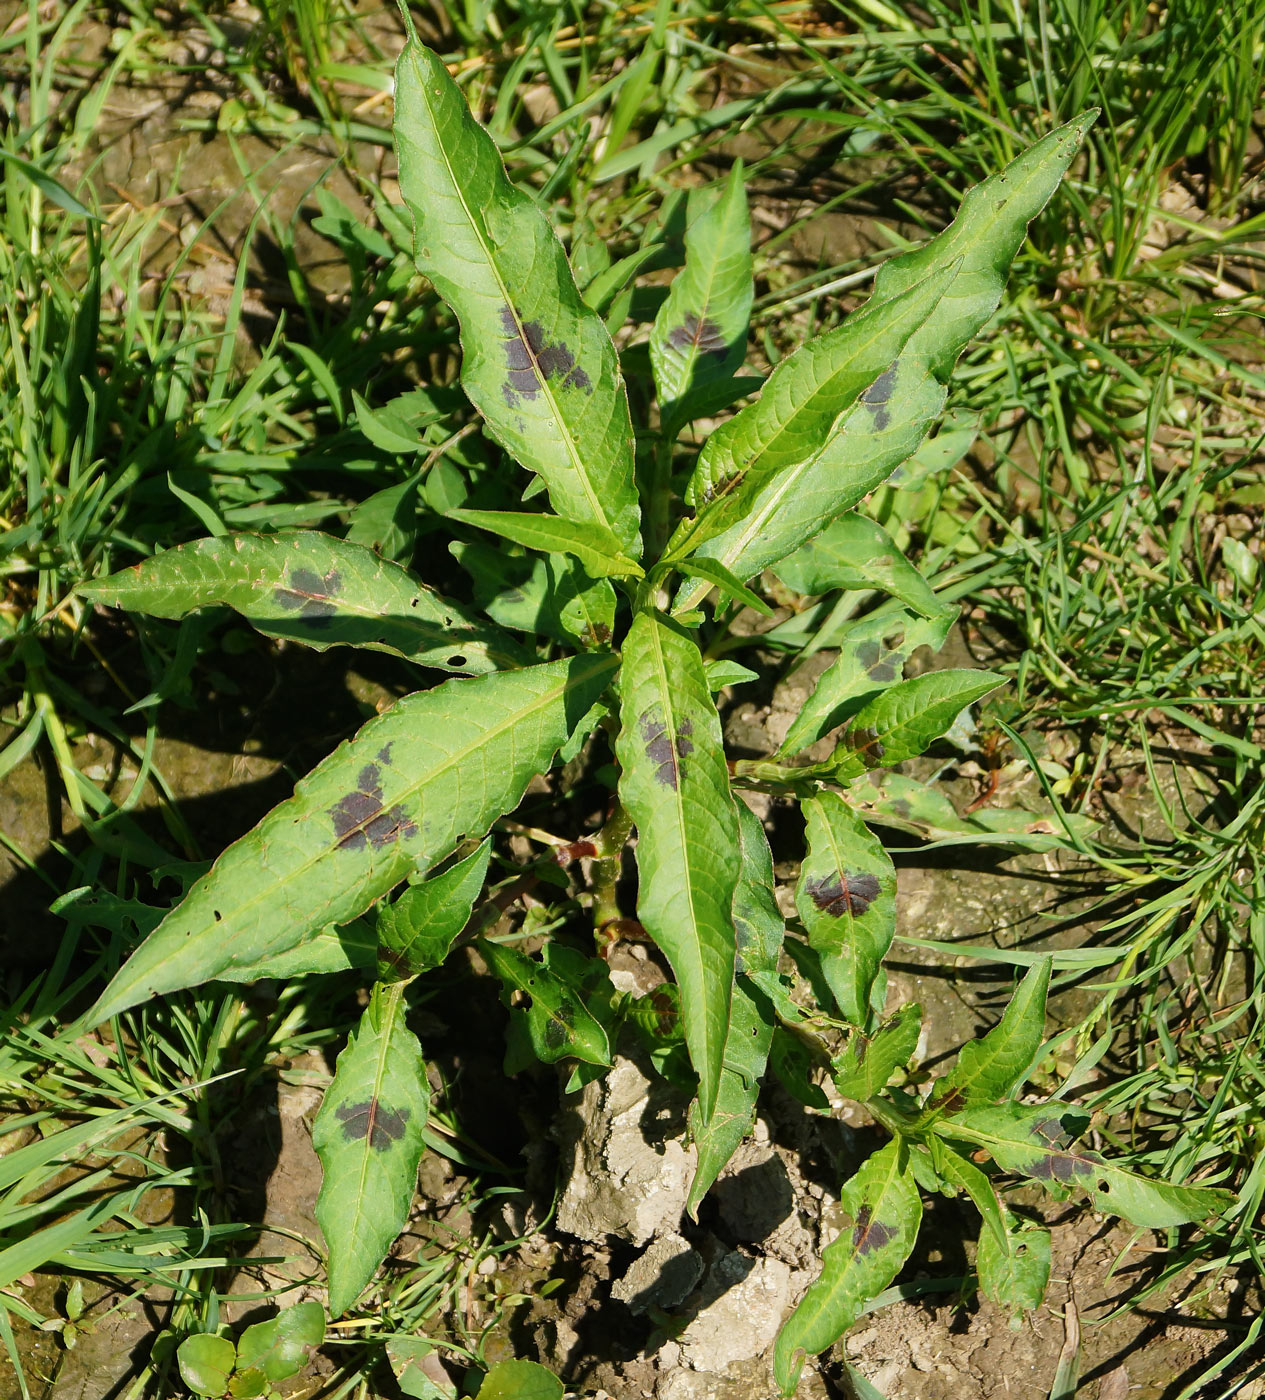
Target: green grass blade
column 312, row 588
column 846, row 897
column 539, row 363
column 675, row 785
column 415, row 781
column 759, row 929
column 885, row 1208
column 699, row 336
column 368, row 1135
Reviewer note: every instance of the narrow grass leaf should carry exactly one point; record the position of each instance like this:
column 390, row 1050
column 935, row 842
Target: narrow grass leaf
column 595, row 548
column 368, row 1135
column 559, row 1024
column 307, row 587
column 416, row 931
column 415, row 781
column 1035, row 1141
column 885, row 1210
column 759, row 929
column 991, row 1069
column 846, row 898
column 699, row 337
column 538, row 362
column 675, row 785
column 904, row 720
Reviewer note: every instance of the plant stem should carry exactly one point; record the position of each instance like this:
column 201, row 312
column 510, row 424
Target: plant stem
column 610, row 842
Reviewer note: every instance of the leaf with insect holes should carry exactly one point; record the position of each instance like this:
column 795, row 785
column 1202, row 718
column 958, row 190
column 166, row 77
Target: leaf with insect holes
column 867, row 1065
column 872, row 657
column 856, row 552
column 368, row 1135
column 279, row 1347
column 303, row 586
column 773, row 476
column 699, row 337
column 558, row 1023
column 675, row 784
column 907, row 718
column 759, row 929
column 416, row 931
column 551, row 534
column 885, row 1210
column 1015, row 1269
column 1035, row 1141
column 538, row 363
column 993, row 1067
column 846, row 897
column 417, row 780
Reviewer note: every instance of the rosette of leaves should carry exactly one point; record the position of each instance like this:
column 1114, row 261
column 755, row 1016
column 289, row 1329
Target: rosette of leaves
column 604, row 578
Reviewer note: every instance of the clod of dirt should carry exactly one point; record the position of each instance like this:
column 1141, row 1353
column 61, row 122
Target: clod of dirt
column 661, row 1277
column 627, row 1171
column 740, row 1307
column 756, row 1201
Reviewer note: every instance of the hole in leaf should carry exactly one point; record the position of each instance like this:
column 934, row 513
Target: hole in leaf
column 456, row 660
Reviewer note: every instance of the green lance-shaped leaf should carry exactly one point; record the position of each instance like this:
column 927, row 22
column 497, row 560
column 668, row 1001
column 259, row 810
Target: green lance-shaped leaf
column 675, row 785
column 416, row 931
column 856, row 552
column 415, row 781
column 846, row 898
column 759, row 929
column 865, row 442
column 1015, row 1269
column 993, row 1068
column 867, row 1065
column 336, row 948
column 307, row 587
column 907, row 718
column 699, row 338
column 559, row 1025
column 872, row 657
column 885, row 1210
column 1035, row 1141
column 538, row 362
column 368, row 1135
column 552, row 535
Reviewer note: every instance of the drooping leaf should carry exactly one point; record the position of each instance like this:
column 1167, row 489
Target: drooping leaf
column 1035, row 1141
column 868, row 1063
column 792, row 1061
column 961, row 1174
column 907, row 718
column 553, row 596
column 538, row 362
column 558, row 1022
column 885, row 1210
column 993, row 1068
column 699, row 337
column 311, row 588
column 759, row 929
column 520, row 1380
column 846, row 898
column 206, row 1362
column 368, row 1135
column 279, row 1347
column 872, row 657
column 416, row 931
column 675, row 784
column 415, row 781
column 598, row 552
column 856, row 552
column 387, row 522
column 754, row 509
column 1015, row 1269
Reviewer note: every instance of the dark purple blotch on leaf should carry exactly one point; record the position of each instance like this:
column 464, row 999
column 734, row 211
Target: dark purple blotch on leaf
column 360, row 819
column 1059, row 1164
column 663, row 752
column 309, row 595
column 847, row 892
column 878, row 395
column 371, row 1119
column 880, row 664
column 865, row 743
column 702, row 333
column 531, row 359
column 869, row 1234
